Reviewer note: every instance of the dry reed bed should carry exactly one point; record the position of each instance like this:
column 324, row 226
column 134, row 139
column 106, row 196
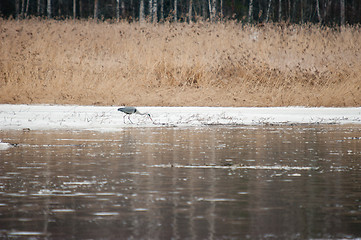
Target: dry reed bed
column 178, row 64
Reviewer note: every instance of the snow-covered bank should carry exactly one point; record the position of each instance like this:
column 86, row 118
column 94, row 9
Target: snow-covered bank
column 43, row 117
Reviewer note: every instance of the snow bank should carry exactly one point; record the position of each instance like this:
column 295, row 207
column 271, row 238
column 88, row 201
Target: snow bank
column 4, row 145
column 43, row 117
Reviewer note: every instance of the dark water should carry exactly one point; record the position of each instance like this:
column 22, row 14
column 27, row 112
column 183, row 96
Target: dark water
column 268, row 182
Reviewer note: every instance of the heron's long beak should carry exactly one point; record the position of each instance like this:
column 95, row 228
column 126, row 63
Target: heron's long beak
column 150, row 118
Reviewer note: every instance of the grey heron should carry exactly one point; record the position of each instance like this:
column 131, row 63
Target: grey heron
column 130, row 110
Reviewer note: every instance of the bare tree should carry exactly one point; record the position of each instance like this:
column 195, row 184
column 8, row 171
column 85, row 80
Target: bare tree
column 80, row 8
column 318, row 11
column 117, row 13
column 22, row 8
column 162, row 10
column 268, row 10
column 60, row 7
column 39, row 8
column 289, row 10
column 141, row 11
column 204, row 9
column 250, row 11
column 221, row 9
column 301, row 11
column 48, row 9
column 342, row 13
column 175, row 11
column 96, row 5
column 122, row 6
column 74, row 9
column 17, row 8
column 327, row 7
column 155, row 11
column 190, row 11
column 212, row 9
column 279, row 10
column 150, row 9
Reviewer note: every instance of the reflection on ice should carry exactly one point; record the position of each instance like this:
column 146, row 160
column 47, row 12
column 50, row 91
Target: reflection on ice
column 80, row 183
column 63, row 210
column 106, row 213
column 140, row 209
column 25, row 233
column 282, row 182
column 216, row 199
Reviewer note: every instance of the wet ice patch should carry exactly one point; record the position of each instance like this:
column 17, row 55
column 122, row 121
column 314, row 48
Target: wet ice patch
column 295, row 175
column 80, row 183
column 106, row 213
column 234, row 166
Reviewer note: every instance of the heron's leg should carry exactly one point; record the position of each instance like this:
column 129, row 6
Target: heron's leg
column 124, row 118
column 129, row 119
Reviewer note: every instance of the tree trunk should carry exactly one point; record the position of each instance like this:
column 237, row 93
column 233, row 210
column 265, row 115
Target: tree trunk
column 141, row 11
column 221, row 9
column 301, row 11
column 38, row 7
column 117, row 13
column 342, row 13
column 175, row 11
column 214, row 10
column 289, row 11
column 155, row 11
column 60, row 5
column 27, row 8
column 132, row 11
column 318, row 11
column 268, row 10
column 48, row 9
column 279, row 10
column 190, row 11
column 204, row 10
column 122, row 7
column 250, row 11
column 17, row 8
column 327, row 7
column 22, row 8
column 96, row 9
column 150, row 10
column 162, row 10
column 74, row 9
column 210, row 10
column 80, row 8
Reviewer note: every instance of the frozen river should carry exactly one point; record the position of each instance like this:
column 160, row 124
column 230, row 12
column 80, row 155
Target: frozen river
column 197, row 182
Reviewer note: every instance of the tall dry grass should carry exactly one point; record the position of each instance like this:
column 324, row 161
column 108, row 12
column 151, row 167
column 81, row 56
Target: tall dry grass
column 178, row 64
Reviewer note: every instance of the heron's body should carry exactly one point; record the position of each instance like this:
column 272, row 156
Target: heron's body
column 130, row 110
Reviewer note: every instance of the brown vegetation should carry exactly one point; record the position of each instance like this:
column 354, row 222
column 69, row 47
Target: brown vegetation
column 178, row 64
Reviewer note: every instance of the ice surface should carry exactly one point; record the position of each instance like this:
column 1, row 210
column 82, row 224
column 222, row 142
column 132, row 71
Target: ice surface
column 45, row 117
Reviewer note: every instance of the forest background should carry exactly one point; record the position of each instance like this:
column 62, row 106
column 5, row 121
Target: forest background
column 181, row 52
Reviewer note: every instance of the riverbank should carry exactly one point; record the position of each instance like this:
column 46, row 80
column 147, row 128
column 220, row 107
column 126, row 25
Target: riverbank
column 178, row 64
